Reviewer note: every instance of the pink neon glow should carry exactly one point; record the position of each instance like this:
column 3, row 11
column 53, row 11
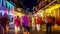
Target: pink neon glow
column 6, row 11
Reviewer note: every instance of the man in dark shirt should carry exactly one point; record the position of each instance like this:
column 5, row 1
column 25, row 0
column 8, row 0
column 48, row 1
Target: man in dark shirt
column 48, row 24
column 4, row 23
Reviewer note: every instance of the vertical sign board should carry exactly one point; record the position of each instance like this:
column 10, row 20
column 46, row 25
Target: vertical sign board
column 0, row 3
column 4, row 3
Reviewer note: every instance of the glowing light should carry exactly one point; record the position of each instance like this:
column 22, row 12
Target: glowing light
column 52, row 8
column 55, row 7
column 0, row 2
column 17, row 28
column 4, row 2
column 49, row 10
column 16, row 13
column 10, row 13
column 6, row 11
column 10, row 6
column 19, row 9
column 2, row 11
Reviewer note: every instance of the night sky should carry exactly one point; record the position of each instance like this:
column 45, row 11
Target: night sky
column 29, row 4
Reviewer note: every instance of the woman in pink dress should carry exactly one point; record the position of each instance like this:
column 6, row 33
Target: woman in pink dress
column 17, row 24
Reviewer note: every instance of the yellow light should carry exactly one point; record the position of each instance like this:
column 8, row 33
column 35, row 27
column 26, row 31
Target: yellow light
column 49, row 10
column 55, row 7
column 19, row 9
column 17, row 28
column 16, row 13
column 32, row 19
column 52, row 8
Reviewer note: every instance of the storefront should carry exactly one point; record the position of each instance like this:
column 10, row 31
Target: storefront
column 51, row 10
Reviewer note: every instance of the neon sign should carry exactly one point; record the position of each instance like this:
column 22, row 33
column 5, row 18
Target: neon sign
column 4, row 3
column 10, row 6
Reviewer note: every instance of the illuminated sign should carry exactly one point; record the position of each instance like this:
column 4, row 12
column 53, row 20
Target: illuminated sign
column 10, row 6
column 4, row 4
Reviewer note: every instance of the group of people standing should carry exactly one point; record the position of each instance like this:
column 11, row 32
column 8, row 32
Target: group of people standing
column 27, row 23
column 50, row 21
column 34, row 23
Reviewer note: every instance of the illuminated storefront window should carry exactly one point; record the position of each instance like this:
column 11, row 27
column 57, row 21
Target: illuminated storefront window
column 52, row 10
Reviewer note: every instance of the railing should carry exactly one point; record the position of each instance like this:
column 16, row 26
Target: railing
column 46, row 5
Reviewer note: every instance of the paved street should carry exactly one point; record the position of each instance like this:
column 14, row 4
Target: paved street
column 32, row 32
column 35, row 32
column 11, row 31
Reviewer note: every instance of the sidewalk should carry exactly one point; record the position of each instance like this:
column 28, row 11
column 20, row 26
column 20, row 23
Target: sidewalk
column 41, row 32
column 54, row 28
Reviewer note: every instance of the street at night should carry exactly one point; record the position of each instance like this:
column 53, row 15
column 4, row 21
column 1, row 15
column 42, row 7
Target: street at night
column 29, row 16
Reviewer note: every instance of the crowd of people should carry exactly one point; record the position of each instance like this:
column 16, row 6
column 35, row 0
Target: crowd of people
column 27, row 22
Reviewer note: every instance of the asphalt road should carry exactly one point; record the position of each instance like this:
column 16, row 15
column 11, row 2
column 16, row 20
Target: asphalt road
column 33, row 32
column 11, row 31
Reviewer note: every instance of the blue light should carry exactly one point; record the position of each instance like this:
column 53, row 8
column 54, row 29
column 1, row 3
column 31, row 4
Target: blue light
column 10, row 6
column 4, row 3
column 0, row 2
column 2, row 11
column 7, row 5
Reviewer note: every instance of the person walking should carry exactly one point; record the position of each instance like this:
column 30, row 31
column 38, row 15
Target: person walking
column 17, row 24
column 0, row 24
column 48, row 24
column 4, row 23
column 26, row 26
column 30, row 22
column 33, row 22
column 38, row 23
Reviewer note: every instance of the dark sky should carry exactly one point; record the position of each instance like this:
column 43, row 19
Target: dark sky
column 29, row 4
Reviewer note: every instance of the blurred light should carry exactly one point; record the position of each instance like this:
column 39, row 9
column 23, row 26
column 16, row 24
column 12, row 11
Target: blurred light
column 19, row 14
column 0, row 2
column 2, row 11
column 4, row 2
column 45, row 0
column 6, row 11
column 9, row 5
column 16, row 13
column 19, row 9
column 55, row 25
column 10, row 13
column 55, row 7
column 17, row 28
column 49, row 10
